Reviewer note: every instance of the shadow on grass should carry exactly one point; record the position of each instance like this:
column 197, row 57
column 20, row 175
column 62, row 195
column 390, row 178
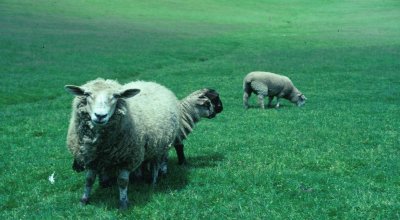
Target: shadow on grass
column 140, row 193
column 203, row 161
column 269, row 106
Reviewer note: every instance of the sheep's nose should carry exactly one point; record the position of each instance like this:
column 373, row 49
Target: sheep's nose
column 100, row 117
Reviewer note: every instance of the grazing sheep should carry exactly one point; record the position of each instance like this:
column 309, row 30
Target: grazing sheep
column 113, row 134
column 203, row 103
column 270, row 84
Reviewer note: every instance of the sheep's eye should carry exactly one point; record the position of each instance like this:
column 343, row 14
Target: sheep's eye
column 116, row 96
column 87, row 94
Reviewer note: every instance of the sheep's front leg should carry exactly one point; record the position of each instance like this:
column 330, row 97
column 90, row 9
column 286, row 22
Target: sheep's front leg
column 123, row 181
column 277, row 102
column 261, row 101
column 180, row 153
column 90, row 178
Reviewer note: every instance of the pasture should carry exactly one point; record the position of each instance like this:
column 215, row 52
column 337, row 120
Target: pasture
column 336, row 157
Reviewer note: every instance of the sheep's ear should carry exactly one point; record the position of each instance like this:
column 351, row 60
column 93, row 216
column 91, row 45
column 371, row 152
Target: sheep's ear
column 211, row 94
column 127, row 93
column 303, row 97
column 75, row 90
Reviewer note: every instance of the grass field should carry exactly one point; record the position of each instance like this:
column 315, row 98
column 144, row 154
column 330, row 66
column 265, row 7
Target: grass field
column 337, row 157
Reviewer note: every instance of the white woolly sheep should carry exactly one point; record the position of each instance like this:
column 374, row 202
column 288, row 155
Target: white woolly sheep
column 270, row 84
column 112, row 133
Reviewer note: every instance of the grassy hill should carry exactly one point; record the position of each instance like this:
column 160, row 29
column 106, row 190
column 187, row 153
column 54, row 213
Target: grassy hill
column 337, row 157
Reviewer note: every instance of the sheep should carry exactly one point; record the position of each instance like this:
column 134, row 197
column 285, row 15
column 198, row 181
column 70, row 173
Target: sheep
column 115, row 128
column 203, row 103
column 270, row 84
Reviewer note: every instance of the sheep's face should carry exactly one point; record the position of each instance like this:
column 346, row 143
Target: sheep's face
column 301, row 100
column 205, row 108
column 101, row 104
column 213, row 96
column 209, row 104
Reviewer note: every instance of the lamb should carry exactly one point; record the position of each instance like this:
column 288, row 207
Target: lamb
column 114, row 129
column 270, row 84
column 203, row 103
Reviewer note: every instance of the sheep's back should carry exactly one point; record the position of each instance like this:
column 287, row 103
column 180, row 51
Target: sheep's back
column 156, row 114
column 277, row 84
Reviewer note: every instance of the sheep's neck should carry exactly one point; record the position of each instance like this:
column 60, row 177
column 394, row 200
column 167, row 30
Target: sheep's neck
column 189, row 117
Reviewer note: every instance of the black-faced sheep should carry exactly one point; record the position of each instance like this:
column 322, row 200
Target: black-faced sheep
column 203, row 103
column 111, row 132
column 270, row 84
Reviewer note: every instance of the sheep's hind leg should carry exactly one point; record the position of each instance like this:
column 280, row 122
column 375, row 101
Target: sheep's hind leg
column 246, row 96
column 123, row 181
column 154, row 169
column 261, row 90
column 261, row 100
column 164, row 165
column 90, row 178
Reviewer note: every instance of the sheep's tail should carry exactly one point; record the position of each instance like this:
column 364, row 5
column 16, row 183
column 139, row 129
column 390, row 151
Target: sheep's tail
column 247, row 86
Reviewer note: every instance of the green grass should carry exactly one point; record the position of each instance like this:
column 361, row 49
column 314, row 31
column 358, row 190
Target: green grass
column 337, row 157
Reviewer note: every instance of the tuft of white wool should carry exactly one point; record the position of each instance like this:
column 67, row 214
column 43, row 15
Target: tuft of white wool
column 271, row 85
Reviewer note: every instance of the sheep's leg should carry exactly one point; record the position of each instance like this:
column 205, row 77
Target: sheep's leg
column 90, row 178
column 164, row 164
column 155, row 168
column 123, row 181
column 246, row 96
column 277, row 102
column 261, row 100
column 180, row 153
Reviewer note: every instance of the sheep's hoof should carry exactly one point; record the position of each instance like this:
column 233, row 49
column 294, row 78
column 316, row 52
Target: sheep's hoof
column 84, row 201
column 123, row 204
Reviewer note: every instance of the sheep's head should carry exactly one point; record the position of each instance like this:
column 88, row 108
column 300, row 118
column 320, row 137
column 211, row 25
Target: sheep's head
column 301, row 100
column 101, row 100
column 215, row 100
column 208, row 103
